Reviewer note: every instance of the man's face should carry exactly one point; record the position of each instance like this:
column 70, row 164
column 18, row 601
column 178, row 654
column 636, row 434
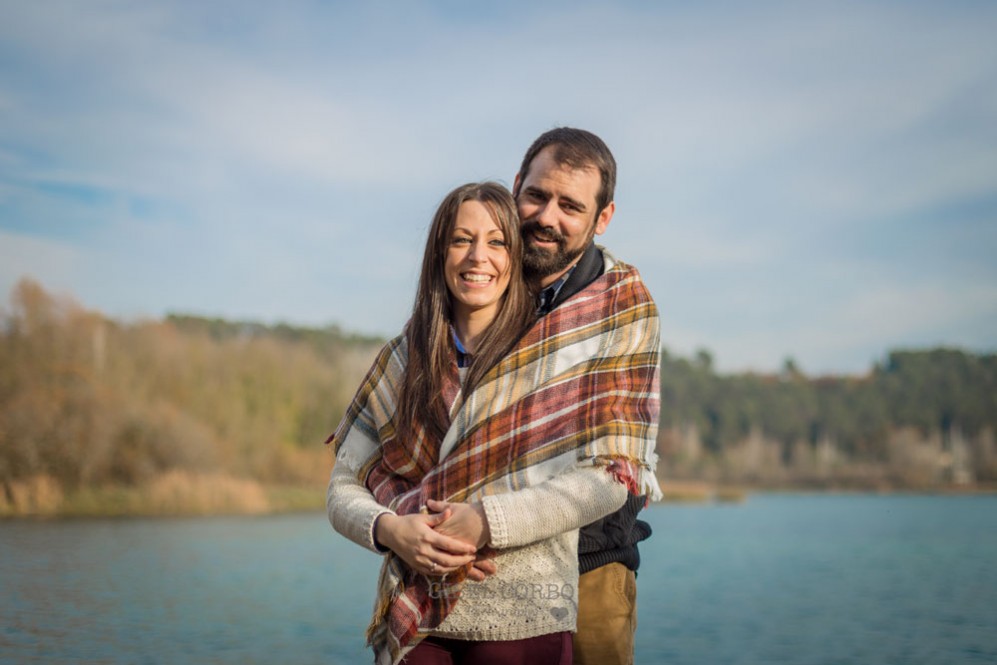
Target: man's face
column 557, row 207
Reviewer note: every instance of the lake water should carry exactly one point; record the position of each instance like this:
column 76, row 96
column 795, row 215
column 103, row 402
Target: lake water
column 779, row 579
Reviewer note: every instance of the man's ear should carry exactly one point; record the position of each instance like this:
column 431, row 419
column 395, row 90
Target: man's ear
column 604, row 217
column 515, row 187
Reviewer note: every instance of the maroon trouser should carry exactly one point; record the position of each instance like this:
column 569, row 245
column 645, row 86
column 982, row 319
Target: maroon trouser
column 551, row 649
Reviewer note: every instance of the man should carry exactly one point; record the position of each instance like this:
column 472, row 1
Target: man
column 564, row 191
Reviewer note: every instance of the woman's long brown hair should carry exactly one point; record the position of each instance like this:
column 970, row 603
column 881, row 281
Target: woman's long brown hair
column 431, row 351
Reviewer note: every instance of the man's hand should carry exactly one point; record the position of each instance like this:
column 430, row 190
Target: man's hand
column 467, row 521
column 426, row 551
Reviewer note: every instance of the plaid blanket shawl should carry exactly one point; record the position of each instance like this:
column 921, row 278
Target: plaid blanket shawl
column 580, row 388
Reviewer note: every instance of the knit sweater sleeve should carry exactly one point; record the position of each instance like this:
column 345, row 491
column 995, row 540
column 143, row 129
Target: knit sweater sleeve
column 561, row 504
column 352, row 508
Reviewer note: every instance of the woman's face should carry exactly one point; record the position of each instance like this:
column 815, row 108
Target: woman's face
column 477, row 262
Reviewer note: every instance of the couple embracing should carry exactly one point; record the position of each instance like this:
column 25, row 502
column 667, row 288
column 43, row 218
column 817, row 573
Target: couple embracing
column 498, row 451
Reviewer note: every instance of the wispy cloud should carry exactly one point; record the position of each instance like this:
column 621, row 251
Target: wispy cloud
column 784, row 170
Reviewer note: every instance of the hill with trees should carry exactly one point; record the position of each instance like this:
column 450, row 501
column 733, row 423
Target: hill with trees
column 198, row 415
column 185, row 414
column 921, row 419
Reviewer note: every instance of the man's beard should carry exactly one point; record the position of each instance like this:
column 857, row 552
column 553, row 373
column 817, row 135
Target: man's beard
column 539, row 263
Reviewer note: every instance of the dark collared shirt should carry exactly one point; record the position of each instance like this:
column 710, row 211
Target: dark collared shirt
column 546, row 297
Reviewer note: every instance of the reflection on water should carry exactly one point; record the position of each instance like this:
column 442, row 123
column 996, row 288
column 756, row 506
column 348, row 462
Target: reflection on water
column 823, row 579
column 787, row 579
column 239, row 590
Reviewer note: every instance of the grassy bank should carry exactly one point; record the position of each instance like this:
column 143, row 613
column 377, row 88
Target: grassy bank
column 176, row 493
column 181, row 493
column 699, row 492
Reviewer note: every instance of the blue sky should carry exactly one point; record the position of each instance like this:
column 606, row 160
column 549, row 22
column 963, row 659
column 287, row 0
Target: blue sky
column 815, row 180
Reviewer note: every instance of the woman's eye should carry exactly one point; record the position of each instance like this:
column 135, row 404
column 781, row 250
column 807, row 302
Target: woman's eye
column 460, row 241
column 497, row 243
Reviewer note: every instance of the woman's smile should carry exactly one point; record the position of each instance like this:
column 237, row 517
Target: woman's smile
column 476, row 278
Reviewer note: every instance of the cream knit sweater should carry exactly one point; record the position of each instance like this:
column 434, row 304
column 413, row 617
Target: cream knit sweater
column 534, row 530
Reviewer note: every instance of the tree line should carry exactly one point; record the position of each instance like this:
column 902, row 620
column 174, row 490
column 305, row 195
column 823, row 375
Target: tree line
column 919, row 418
column 89, row 401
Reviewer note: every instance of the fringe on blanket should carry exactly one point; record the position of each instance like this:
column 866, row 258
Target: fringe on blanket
column 639, row 479
column 387, row 593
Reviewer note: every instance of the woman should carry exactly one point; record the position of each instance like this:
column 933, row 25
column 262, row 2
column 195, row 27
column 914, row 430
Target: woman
column 478, row 514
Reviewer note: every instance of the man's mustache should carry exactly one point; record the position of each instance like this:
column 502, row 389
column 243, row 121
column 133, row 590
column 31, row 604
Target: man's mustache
column 532, row 228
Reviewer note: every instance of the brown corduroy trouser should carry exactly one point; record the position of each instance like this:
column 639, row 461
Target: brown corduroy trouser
column 607, row 616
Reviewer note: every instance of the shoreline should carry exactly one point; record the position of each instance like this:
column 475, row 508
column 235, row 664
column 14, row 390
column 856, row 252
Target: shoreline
column 186, row 496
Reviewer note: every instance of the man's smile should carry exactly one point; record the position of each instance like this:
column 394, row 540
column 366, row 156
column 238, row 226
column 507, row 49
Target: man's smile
column 538, row 235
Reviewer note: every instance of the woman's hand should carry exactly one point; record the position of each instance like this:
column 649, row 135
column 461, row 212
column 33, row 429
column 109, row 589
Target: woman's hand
column 467, row 521
column 426, row 551
column 481, row 568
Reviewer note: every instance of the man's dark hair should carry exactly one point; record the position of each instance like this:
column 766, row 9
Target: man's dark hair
column 577, row 149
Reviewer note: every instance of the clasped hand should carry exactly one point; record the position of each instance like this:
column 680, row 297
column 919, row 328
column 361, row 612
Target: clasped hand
column 439, row 542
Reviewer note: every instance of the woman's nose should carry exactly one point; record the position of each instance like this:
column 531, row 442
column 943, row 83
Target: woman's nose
column 476, row 252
